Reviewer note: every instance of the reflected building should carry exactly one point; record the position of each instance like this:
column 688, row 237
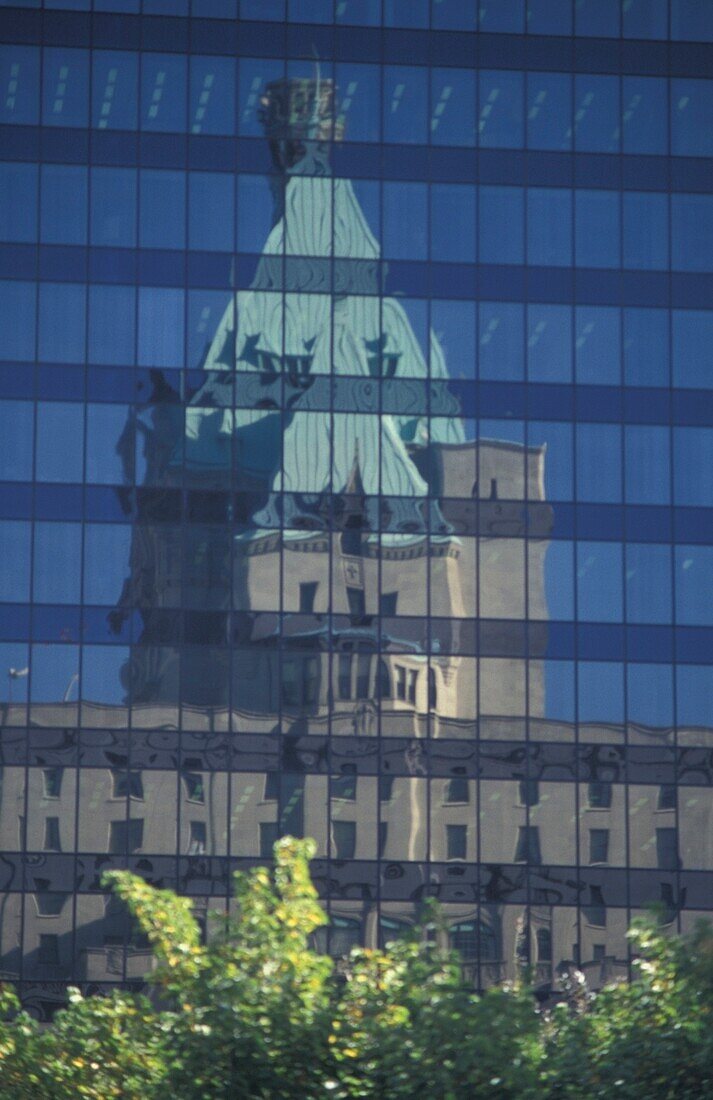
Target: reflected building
column 373, row 561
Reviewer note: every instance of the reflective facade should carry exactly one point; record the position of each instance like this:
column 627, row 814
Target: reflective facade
column 357, row 459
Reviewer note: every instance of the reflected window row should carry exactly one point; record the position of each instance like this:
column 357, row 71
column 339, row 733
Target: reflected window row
column 97, row 945
column 538, row 759
column 125, row 811
column 395, row 692
column 161, row 327
column 506, row 466
column 398, row 104
column 459, row 223
column 56, row 563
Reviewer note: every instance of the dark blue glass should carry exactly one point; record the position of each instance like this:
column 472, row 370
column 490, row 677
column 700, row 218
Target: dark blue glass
column 19, row 73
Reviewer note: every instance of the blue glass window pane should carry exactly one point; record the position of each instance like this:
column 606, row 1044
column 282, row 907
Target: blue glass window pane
column 559, row 690
column 211, row 212
column 692, row 232
column 549, row 16
column 597, row 18
column 15, row 555
column 228, row 9
column 110, row 437
column 263, row 9
column 255, row 213
column 549, row 343
column 367, row 193
column 16, row 440
column 500, row 121
column 365, row 13
column 691, row 21
column 693, row 466
column 113, row 206
column 598, row 345
column 56, row 563
column 645, row 19
column 115, row 90
column 692, row 343
column 694, row 591
column 18, row 300
column 692, row 118
column 160, row 327
column 127, row 6
column 359, row 101
column 65, row 83
column 14, row 689
column 559, row 580
column 500, row 340
column 18, row 210
column 206, row 310
column 645, row 230
column 549, row 111
column 166, row 7
column 559, row 464
column 694, row 695
column 600, row 691
column 64, row 198
column 20, row 81
column 648, row 583
column 453, row 325
column 647, row 451
column 163, row 92
column 646, row 343
column 502, row 16
column 453, row 95
column 599, row 462
column 599, row 582
column 107, row 547
column 596, row 114
column 112, row 325
column 453, row 15
column 253, row 78
column 549, row 226
column 162, row 206
column 596, row 234
column 104, row 674
column 309, row 11
column 453, row 222
column 211, row 108
column 645, row 114
column 59, row 444
column 501, row 225
column 55, row 673
column 406, row 13
column 405, row 105
column 405, row 221
column 62, row 323
column 649, row 695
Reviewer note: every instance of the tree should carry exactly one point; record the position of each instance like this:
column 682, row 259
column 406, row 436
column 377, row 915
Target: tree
column 256, row 1012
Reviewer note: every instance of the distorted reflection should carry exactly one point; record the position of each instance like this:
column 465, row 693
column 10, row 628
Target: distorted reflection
column 359, row 560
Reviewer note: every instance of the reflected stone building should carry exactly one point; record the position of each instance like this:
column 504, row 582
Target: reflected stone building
column 342, row 540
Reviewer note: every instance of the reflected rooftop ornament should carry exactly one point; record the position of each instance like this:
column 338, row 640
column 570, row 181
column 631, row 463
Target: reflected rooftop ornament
column 295, row 112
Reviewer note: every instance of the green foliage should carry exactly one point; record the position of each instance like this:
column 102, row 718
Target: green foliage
column 652, row 1037
column 257, row 1013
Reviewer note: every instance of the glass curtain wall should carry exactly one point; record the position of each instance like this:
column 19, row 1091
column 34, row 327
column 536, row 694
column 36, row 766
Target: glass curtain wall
column 356, row 424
